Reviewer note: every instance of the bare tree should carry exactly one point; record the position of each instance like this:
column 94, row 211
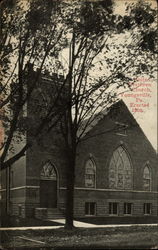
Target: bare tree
column 31, row 33
column 99, row 67
column 87, row 35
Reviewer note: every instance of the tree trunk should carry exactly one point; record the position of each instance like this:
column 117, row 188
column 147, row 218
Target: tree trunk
column 70, row 191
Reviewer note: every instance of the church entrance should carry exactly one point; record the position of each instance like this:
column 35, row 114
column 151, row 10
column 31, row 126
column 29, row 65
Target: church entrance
column 48, row 186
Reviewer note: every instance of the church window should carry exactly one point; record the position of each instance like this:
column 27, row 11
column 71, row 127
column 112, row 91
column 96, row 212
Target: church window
column 90, row 174
column 120, row 170
column 113, row 208
column 90, row 208
column 127, row 208
column 147, row 179
column 48, row 172
column 147, row 208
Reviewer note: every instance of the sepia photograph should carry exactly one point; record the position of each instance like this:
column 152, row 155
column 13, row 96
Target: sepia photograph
column 78, row 124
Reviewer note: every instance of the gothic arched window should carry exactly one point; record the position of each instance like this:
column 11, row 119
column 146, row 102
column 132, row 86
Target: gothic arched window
column 146, row 179
column 120, row 170
column 90, row 173
column 48, row 172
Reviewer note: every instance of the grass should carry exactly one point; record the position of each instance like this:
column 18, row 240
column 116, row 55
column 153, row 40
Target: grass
column 119, row 220
column 13, row 221
column 135, row 237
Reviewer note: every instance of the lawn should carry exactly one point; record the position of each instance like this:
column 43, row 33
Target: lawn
column 142, row 237
column 119, row 220
column 13, row 221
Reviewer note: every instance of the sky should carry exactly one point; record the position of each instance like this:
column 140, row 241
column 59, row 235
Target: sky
column 148, row 118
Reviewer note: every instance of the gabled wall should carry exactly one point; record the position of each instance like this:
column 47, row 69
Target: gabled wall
column 100, row 145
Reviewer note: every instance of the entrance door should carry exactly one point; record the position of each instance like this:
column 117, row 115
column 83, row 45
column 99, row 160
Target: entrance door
column 48, row 193
column 48, row 186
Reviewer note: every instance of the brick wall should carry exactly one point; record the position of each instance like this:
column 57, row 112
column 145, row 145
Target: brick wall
column 102, row 146
column 99, row 145
column 103, row 198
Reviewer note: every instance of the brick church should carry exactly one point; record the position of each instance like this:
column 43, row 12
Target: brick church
column 116, row 173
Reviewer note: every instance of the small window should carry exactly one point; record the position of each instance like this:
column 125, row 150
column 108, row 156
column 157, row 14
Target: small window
column 127, row 208
column 90, row 208
column 113, row 208
column 19, row 209
column 147, row 208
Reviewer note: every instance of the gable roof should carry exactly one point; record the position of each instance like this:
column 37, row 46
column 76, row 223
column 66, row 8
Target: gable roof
column 112, row 112
column 120, row 116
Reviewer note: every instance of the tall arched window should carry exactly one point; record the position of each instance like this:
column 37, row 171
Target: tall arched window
column 90, row 174
column 120, row 170
column 147, row 179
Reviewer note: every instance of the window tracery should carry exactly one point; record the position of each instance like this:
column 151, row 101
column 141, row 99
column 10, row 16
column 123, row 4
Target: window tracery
column 147, row 178
column 120, row 170
column 90, row 173
column 48, row 172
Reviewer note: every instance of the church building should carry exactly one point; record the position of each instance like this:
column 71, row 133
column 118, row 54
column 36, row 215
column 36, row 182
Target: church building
column 116, row 173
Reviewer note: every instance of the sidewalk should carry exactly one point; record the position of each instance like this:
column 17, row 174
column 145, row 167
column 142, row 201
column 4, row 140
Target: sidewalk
column 76, row 224
column 90, row 225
